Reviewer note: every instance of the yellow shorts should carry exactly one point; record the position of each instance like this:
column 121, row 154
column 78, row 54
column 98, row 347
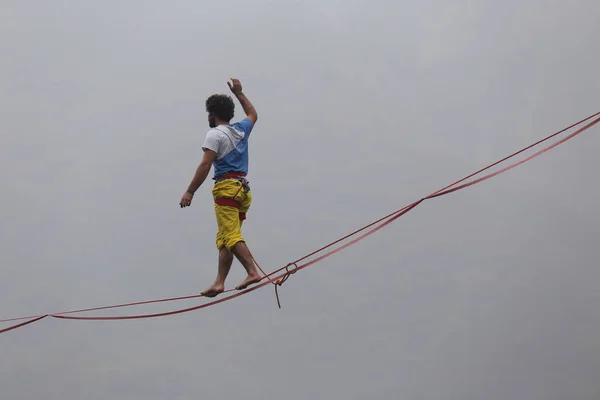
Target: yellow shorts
column 232, row 201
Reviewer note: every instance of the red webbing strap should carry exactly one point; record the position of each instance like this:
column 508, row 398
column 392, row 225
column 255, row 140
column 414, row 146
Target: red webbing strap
column 230, row 175
column 486, row 177
column 227, row 202
column 279, row 279
column 10, row 328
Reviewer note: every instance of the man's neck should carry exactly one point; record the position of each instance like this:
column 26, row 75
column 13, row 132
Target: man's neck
column 220, row 122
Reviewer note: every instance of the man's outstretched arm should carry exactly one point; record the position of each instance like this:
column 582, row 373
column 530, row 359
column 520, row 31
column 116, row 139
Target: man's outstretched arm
column 247, row 105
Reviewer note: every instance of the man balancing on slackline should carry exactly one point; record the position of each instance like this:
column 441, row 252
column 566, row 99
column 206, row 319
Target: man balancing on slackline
column 226, row 147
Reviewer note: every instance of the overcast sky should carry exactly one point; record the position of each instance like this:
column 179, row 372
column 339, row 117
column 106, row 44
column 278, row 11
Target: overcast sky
column 488, row 293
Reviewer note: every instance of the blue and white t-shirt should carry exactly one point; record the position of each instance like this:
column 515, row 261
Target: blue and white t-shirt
column 230, row 142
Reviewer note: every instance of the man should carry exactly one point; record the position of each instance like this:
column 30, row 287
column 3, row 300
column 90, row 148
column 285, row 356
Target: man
column 226, row 147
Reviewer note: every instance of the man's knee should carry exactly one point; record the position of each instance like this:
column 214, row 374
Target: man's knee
column 234, row 243
column 224, row 251
column 242, row 253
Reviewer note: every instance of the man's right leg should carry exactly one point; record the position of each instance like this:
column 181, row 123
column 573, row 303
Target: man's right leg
column 237, row 244
column 242, row 253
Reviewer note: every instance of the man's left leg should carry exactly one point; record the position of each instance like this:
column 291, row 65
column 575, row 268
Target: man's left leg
column 225, row 261
column 227, row 219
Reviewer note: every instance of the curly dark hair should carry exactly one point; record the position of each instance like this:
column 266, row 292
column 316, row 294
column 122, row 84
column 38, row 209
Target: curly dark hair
column 221, row 106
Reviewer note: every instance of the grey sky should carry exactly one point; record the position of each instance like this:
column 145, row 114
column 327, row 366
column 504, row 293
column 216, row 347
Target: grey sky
column 488, row 293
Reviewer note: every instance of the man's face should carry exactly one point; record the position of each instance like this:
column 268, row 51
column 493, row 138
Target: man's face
column 211, row 121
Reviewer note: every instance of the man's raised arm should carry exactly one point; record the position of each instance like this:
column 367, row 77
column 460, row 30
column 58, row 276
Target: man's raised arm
column 236, row 89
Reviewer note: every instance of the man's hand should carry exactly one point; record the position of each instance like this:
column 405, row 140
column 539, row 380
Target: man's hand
column 186, row 200
column 236, row 87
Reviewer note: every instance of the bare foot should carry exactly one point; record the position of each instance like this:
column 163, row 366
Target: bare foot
column 250, row 279
column 214, row 290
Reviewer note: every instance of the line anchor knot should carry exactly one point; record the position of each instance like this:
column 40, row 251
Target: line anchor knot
column 285, row 277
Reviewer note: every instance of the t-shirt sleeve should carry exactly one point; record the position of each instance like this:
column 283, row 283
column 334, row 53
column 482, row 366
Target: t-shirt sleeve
column 244, row 125
column 212, row 142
